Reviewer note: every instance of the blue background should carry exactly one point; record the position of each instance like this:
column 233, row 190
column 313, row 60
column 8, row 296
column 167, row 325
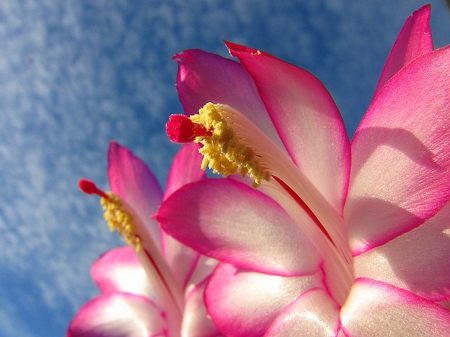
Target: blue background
column 76, row 74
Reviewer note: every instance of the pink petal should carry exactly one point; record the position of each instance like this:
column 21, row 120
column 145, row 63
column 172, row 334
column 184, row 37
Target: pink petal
column 445, row 304
column 131, row 180
column 306, row 118
column 180, row 258
column 244, row 303
column 414, row 40
column 118, row 315
column 314, row 313
column 401, row 154
column 196, row 320
column 232, row 222
column 378, row 309
column 119, row 270
column 203, row 268
column 204, row 77
column 185, row 169
column 418, row 261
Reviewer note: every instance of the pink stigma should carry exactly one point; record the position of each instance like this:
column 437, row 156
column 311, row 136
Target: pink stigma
column 89, row 187
column 181, row 129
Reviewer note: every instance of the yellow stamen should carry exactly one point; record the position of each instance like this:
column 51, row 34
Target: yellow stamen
column 120, row 219
column 225, row 152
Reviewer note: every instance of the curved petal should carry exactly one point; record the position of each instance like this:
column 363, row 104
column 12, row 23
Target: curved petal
column 414, row 40
column 185, row 169
column 131, row 180
column 119, row 270
column 232, row 222
column 314, row 313
column 418, row 261
column 196, row 321
column 118, row 315
column 378, row 309
column 401, row 154
column 244, row 303
column 204, row 77
column 306, row 118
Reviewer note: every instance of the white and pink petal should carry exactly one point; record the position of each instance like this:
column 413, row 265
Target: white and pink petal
column 185, row 169
column 203, row 268
column 244, row 303
column 237, row 224
column 306, row 119
column 196, row 320
column 132, row 181
column 418, row 261
column 313, row 313
column 118, row 315
column 119, row 270
column 376, row 308
column 204, row 77
column 401, row 155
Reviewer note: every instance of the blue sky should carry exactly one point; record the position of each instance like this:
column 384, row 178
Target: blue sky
column 76, row 74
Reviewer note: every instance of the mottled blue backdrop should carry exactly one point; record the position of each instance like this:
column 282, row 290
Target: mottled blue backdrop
column 75, row 74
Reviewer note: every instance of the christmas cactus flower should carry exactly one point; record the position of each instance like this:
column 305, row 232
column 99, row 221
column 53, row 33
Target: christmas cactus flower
column 155, row 287
column 334, row 238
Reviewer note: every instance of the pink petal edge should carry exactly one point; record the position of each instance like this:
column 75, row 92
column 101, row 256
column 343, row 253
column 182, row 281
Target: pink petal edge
column 414, row 40
column 306, row 118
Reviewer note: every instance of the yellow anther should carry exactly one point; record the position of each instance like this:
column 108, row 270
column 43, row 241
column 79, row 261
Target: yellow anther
column 120, row 219
column 225, row 151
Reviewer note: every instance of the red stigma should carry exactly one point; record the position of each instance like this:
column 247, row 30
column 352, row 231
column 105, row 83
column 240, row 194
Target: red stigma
column 181, row 129
column 89, row 187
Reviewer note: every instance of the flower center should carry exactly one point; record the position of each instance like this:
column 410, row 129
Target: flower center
column 234, row 144
column 115, row 213
column 224, row 150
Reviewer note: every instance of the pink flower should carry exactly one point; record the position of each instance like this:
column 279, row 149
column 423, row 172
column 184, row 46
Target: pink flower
column 157, row 288
column 340, row 238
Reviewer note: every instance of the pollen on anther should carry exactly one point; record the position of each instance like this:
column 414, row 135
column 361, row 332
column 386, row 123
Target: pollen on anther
column 120, row 219
column 225, row 152
column 115, row 214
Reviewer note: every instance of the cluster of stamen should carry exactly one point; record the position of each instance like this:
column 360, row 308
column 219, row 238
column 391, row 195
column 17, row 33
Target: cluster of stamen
column 115, row 214
column 119, row 219
column 232, row 143
column 224, row 151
